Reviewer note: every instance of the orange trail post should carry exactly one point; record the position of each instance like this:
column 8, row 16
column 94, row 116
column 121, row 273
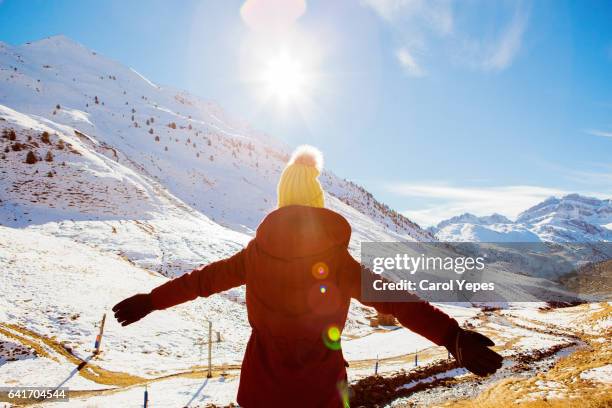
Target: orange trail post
column 99, row 336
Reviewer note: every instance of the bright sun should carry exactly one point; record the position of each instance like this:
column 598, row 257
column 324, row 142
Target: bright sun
column 285, row 79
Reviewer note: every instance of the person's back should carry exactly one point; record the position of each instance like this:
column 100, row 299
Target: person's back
column 299, row 281
column 297, row 302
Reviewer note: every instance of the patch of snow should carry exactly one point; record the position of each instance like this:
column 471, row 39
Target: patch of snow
column 601, row 374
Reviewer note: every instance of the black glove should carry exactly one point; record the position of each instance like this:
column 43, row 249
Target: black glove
column 471, row 350
column 132, row 309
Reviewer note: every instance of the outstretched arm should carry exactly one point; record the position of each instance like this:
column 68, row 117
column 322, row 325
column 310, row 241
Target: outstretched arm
column 204, row 281
column 415, row 314
column 470, row 349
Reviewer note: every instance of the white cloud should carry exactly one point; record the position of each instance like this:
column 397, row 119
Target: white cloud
column 509, row 42
column 408, row 62
column 436, row 25
column 414, row 20
column 435, row 15
column 452, row 200
column 596, row 132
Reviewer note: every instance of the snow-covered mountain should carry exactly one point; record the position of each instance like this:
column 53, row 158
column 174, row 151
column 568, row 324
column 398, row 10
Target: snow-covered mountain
column 139, row 150
column 467, row 218
column 573, row 218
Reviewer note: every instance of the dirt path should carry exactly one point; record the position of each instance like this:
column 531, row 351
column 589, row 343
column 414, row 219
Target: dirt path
column 87, row 368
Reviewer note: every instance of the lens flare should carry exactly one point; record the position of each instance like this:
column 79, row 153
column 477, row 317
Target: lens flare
column 323, row 289
column 331, row 337
column 320, row 270
column 333, row 333
column 344, row 391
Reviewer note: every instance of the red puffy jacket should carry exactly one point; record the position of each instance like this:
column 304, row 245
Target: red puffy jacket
column 299, row 280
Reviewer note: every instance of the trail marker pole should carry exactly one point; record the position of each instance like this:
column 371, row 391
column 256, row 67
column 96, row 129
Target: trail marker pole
column 209, row 375
column 416, row 359
column 146, row 397
column 376, row 366
column 99, row 336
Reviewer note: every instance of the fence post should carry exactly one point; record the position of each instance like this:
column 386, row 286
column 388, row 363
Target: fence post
column 376, row 366
column 99, row 336
column 209, row 375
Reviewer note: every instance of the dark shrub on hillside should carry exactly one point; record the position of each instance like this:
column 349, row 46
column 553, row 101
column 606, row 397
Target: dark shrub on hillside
column 44, row 137
column 31, row 158
column 49, row 156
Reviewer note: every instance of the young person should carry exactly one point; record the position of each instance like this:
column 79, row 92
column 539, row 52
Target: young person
column 299, row 279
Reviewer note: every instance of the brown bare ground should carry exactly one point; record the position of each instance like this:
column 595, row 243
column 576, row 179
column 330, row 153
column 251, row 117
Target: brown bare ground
column 561, row 386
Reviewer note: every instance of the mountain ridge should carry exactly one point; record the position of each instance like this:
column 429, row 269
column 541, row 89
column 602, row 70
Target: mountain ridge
column 571, row 218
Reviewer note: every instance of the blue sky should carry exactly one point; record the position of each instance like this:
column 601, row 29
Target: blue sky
column 437, row 107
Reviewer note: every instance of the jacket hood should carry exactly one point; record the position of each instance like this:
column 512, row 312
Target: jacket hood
column 298, row 231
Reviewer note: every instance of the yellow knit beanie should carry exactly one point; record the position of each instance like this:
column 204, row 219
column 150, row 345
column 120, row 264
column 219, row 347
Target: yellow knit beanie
column 299, row 184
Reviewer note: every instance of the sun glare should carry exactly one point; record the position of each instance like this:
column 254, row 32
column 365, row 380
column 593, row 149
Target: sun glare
column 284, row 73
column 284, row 79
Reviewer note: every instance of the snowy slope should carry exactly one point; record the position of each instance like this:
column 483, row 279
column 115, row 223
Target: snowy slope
column 56, row 291
column 86, row 192
column 59, row 290
column 218, row 166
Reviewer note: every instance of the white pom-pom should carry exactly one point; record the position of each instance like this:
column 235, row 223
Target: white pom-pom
column 308, row 156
